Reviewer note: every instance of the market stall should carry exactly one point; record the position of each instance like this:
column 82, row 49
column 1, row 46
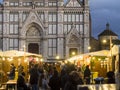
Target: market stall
column 85, row 58
column 96, row 60
column 17, row 57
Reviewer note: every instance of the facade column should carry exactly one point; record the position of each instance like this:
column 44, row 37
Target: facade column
column 86, row 27
column 45, row 39
column 20, row 26
column 5, row 30
column 60, row 40
column 86, row 31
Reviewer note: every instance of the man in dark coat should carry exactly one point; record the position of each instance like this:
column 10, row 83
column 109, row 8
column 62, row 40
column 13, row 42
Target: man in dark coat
column 12, row 72
column 111, row 77
column 21, row 84
column 34, row 77
column 73, row 81
column 64, row 78
column 87, row 74
column 54, row 82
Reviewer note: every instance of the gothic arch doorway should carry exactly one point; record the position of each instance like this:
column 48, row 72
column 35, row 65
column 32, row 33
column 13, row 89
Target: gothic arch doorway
column 34, row 38
column 33, row 48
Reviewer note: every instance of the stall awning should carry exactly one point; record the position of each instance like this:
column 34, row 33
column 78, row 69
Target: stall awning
column 97, row 53
column 16, row 53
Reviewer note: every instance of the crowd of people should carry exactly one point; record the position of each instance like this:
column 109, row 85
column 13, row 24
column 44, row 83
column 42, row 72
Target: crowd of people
column 54, row 77
column 51, row 76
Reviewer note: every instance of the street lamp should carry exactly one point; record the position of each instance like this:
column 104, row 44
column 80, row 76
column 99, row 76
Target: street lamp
column 41, row 59
column 89, row 48
column 104, row 41
column 105, row 44
column 73, row 53
column 57, row 57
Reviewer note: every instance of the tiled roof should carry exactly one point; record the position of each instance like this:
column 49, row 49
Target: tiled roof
column 107, row 32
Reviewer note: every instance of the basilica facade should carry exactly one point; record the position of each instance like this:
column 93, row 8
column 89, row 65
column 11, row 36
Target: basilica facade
column 47, row 27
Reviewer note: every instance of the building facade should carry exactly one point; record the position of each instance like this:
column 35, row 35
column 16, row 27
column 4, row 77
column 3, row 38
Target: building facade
column 107, row 38
column 47, row 27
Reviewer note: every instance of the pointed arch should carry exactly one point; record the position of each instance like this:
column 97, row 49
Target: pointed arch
column 32, row 20
column 34, row 30
column 73, row 42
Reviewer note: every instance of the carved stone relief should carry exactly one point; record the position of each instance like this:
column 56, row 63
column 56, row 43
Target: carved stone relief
column 73, row 40
column 33, row 31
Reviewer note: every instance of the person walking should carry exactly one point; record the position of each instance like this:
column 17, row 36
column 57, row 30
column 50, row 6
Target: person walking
column 34, row 77
column 54, row 81
column 64, row 77
column 45, row 85
column 87, row 74
column 12, row 72
column 20, row 69
column 111, row 77
column 21, row 84
column 73, row 81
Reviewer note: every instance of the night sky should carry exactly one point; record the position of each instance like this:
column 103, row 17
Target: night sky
column 103, row 11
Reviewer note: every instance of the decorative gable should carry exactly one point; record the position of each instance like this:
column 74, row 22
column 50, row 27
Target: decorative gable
column 32, row 18
column 73, row 36
column 73, row 3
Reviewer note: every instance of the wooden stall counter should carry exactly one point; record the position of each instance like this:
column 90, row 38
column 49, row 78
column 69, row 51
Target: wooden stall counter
column 11, row 84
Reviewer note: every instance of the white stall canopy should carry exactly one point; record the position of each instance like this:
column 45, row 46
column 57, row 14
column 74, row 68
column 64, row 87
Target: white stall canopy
column 16, row 53
column 97, row 53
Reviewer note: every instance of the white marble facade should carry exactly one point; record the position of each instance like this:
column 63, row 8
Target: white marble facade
column 48, row 27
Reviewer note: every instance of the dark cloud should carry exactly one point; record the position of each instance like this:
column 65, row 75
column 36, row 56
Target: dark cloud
column 103, row 11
